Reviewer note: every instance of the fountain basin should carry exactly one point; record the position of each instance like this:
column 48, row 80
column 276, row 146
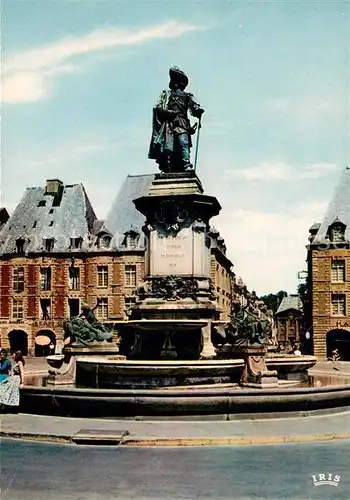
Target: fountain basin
column 128, row 388
column 55, row 360
column 113, row 373
column 226, row 402
column 291, row 367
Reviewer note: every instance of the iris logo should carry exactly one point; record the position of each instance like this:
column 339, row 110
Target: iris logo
column 326, row 479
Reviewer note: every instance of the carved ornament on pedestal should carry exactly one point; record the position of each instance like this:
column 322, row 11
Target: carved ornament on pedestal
column 171, row 215
column 174, row 287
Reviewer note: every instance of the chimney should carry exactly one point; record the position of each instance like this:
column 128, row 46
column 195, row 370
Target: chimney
column 53, row 186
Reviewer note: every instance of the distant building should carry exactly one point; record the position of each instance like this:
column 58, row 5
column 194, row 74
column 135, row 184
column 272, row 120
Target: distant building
column 328, row 281
column 222, row 275
column 55, row 254
column 288, row 321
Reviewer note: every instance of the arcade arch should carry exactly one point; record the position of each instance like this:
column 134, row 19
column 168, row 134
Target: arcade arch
column 339, row 339
column 42, row 346
column 18, row 340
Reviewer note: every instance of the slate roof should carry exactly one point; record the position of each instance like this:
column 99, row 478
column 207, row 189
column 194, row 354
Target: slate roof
column 75, row 218
column 39, row 216
column 290, row 302
column 339, row 207
column 123, row 215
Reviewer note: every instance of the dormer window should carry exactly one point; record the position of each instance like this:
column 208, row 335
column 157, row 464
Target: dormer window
column 48, row 244
column 336, row 231
column 76, row 243
column 131, row 239
column 20, row 245
column 105, row 241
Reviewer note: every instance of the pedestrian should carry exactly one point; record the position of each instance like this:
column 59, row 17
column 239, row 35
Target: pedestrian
column 9, row 387
column 335, row 355
column 5, row 365
column 296, row 350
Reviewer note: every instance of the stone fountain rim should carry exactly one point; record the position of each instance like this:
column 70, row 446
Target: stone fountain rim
column 103, row 360
column 192, row 392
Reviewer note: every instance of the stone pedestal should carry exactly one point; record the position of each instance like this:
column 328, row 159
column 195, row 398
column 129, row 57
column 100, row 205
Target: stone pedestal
column 177, row 284
column 255, row 372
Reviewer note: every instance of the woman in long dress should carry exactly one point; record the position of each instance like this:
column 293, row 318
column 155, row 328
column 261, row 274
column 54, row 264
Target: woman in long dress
column 5, row 365
column 9, row 388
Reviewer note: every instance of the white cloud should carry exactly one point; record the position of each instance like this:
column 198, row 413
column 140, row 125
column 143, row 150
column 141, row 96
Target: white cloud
column 24, row 87
column 27, row 75
column 311, row 113
column 281, row 171
column 268, row 248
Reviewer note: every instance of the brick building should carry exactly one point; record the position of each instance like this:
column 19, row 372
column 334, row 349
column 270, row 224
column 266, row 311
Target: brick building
column 55, row 254
column 328, row 281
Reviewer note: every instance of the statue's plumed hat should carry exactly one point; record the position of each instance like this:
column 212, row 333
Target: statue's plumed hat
column 176, row 74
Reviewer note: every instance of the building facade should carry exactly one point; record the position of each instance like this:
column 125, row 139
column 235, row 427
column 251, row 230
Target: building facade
column 222, row 275
column 56, row 255
column 328, row 280
column 289, row 321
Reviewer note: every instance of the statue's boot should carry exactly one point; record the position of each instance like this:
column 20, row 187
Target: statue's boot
column 104, row 335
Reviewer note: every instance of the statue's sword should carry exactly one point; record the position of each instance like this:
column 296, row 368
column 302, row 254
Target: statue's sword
column 197, row 142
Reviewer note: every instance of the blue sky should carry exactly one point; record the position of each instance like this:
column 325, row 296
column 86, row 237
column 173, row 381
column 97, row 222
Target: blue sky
column 79, row 80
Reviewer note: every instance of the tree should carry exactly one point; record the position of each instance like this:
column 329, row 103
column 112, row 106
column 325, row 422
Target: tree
column 273, row 300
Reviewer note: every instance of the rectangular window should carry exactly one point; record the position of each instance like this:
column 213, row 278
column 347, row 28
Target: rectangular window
column 74, row 278
column 129, row 302
column 45, row 308
column 18, row 279
column 102, row 276
column 74, row 307
column 45, row 278
column 17, row 309
column 102, row 308
column 338, row 304
column 130, row 275
column 338, row 271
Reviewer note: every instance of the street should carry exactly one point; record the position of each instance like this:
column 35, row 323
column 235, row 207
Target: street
column 33, row 471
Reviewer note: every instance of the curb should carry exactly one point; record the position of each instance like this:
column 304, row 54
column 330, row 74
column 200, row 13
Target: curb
column 176, row 442
column 31, row 436
column 232, row 441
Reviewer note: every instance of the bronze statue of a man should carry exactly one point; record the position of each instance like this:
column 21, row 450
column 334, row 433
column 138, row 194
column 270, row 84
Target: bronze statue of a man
column 171, row 135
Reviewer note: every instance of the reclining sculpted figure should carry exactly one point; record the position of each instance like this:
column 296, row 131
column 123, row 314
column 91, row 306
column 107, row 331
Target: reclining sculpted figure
column 85, row 328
